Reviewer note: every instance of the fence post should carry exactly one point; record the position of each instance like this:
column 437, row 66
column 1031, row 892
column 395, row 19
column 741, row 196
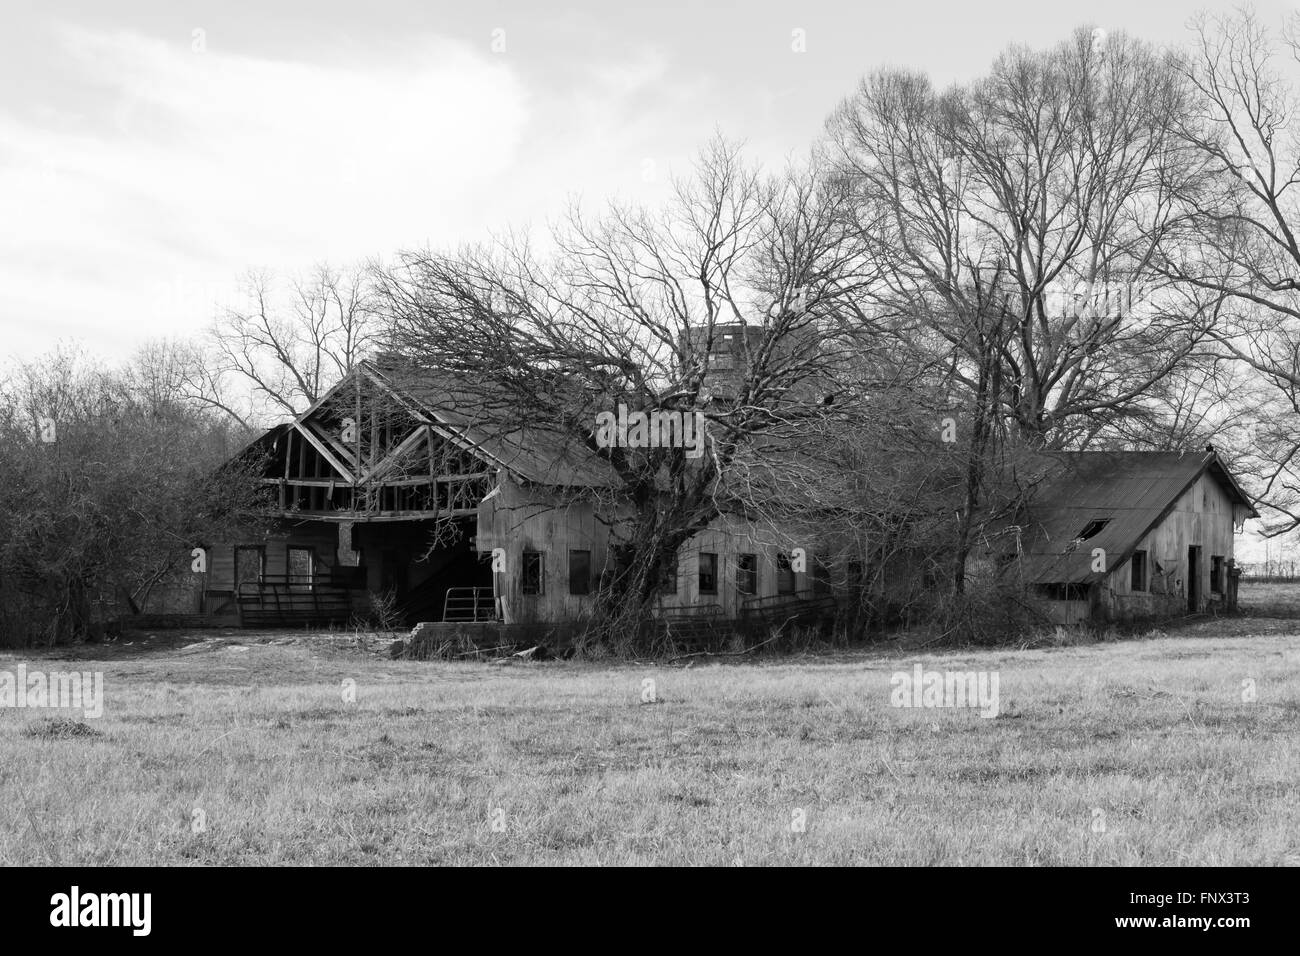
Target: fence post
column 1234, row 574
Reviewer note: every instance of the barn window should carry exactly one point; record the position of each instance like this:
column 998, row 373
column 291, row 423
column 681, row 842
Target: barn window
column 821, row 577
column 668, row 574
column 531, row 582
column 785, row 582
column 1216, row 573
column 1138, row 574
column 1093, row 528
column 579, row 572
column 249, row 565
column 1064, row 592
column 301, row 565
column 747, row 574
column 708, row 572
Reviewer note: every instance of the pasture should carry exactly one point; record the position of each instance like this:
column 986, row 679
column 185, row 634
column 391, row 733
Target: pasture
column 233, row 748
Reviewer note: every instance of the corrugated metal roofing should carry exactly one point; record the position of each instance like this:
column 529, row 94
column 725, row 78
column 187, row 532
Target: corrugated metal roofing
column 1130, row 491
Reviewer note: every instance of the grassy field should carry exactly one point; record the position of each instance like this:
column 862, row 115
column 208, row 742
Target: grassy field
column 237, row 748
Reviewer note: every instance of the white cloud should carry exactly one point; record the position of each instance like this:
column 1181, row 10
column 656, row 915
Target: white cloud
column 137, row 204
column 207, row 163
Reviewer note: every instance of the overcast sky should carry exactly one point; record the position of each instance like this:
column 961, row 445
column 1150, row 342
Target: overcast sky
column 152, row 152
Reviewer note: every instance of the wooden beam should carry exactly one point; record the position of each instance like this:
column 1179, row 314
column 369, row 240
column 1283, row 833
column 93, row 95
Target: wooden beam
column 390, row 462
column 316, row 443
column 364, row 516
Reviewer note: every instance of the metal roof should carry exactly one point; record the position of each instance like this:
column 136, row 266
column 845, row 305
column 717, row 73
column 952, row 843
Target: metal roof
column 1131, row 491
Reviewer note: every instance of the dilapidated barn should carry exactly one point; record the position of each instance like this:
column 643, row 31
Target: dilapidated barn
column 402, row 492
column 1113, row 536
column 396, row 487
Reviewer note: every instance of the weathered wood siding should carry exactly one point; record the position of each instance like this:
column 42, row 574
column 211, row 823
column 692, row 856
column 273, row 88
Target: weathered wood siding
column 1203, row 516
column 729, row 537
column 320, row 535
column 519, row 519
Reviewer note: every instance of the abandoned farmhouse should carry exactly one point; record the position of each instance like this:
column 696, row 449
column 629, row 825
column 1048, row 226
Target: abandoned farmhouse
column 404, row 492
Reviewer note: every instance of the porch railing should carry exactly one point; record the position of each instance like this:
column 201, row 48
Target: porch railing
column 469, row 604
column 293, row 599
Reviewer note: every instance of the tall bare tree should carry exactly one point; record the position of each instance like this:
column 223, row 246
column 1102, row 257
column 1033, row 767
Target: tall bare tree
column 1042, row 193
column 631, row 307
column 1243, row 234
column 287, row 344
column 1012, row 225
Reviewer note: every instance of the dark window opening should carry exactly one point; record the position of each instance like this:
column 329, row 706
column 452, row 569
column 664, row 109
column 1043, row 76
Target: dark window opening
column 1064, row 592
column 1138, row 572
column 668, row 575
column 1216, row 573
column 708, row 572
column 929, row 578
column 855, row 569
column 785, row 580
column 249, row 565
column 579, row 572
column 821, row 577
column 531, row 582
column 1093, row 528
column 747, row 574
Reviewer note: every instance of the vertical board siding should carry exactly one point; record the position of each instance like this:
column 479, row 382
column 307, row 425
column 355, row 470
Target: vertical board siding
column 519, row 519
column 1202, row 516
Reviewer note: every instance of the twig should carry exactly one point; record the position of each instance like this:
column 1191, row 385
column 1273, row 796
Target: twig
column 682, row 657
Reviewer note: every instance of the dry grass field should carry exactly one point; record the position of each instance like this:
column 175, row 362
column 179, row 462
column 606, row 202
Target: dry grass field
column 1140, row 751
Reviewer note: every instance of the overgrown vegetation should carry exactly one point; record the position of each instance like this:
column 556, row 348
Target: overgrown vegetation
column 107, row 483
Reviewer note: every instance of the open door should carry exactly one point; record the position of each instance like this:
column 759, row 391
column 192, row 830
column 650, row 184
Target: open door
column 1193, row 579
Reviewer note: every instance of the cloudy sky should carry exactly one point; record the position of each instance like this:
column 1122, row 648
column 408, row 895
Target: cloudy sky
column 152, row 152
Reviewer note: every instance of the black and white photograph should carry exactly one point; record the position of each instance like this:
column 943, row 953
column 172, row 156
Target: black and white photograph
column 672, row 435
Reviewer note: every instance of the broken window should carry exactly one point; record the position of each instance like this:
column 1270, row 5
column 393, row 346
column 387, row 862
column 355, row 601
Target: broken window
column 301, row 567
column 531, row 582
column 821, row 577
column 1138, row 571
column 747, row 574
column 249, row 563
column 1216, row 573
column 1093, row 528
column 579, row 572
column 708, row 572
column 785, row 580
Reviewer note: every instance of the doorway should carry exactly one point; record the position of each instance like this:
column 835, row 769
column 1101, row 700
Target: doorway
column 1193, row 579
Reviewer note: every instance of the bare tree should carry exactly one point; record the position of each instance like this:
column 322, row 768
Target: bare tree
column 1242, row 234
column 1013, row 225
column 106, row 484
column 632, row 308
column 1045, row 190
column 288, row 344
